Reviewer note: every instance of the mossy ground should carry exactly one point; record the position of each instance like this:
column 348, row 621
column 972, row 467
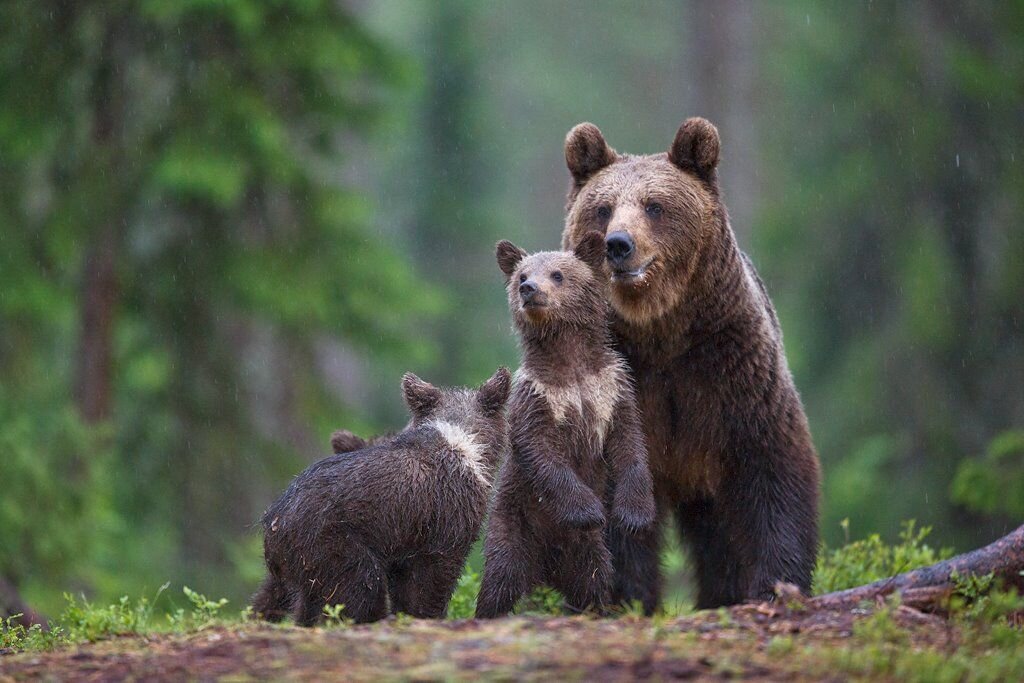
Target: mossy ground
column 767, row 641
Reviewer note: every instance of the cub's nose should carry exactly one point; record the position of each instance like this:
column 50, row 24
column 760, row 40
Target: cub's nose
column 527, row 290
column 620, row 247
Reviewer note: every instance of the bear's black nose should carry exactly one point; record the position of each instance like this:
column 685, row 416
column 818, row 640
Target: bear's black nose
column 527, row 290
column 620, row 247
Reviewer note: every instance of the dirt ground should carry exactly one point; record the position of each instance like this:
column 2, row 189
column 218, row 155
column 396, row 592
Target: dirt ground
column 761, row 642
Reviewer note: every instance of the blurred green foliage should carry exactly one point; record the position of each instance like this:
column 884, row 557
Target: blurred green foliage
column 194, row 150
column 870, row 559
column 994, row 483
column 279, row 206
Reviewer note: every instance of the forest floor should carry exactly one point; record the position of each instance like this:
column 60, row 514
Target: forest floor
column 766, row 642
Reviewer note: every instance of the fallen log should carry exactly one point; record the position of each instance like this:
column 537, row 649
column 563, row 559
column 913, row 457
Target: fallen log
column 929, row 587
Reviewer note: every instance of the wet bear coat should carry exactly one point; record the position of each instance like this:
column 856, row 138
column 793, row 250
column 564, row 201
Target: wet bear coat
column 577, row 447
column 388, row 527
column 728, row 441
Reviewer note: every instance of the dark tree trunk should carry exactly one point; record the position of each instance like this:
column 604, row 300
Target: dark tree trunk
column 99, row 296
column 722, row 86
column 99, row 286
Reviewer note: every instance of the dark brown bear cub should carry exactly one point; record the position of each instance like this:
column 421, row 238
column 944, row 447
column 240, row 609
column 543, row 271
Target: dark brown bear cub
column 392, row 522
column 577, row 444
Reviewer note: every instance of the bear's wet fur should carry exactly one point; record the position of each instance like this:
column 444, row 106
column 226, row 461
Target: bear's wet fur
column 388, row 526
column 729, row 445
column 577, row 448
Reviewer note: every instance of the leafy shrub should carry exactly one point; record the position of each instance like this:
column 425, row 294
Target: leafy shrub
column 872, row 559
column 994, row 483
column 543, row 600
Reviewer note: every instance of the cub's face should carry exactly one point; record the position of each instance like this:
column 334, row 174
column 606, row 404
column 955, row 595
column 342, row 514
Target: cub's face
column 656, row 213
column 550, row 287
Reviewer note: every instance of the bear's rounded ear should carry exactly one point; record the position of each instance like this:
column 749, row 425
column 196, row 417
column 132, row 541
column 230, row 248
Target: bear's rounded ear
column 509, row 256
column 586, row 152
column 696, row 148
column 421, row 397
column 493, row 394
column 344, row 441
column 591, row 250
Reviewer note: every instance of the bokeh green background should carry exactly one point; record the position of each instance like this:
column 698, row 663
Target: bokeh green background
column 227, row 226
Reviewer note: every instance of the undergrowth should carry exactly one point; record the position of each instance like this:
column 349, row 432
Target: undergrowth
column 871, row 559
column 984, row 641
column 82, row 621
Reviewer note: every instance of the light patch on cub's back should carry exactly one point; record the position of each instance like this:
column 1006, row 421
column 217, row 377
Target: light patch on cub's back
column 600, row 390
column 465, row 445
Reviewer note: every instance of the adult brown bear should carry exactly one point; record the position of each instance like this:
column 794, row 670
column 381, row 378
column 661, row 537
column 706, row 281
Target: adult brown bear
column 728, row 441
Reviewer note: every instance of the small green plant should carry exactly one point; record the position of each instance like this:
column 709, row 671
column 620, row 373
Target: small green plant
column 203, row 613
column 84, row 621
column 634, row 610
column 334, row 617
column 14, row 636
column 872, row 559
column 544, row 600
column 463, row 602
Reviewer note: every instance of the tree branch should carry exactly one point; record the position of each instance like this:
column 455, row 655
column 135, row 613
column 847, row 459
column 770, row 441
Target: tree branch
column 928, row 587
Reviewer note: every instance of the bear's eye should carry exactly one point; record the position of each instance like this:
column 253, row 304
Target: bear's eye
column 557, row 276
column 522, row 278
column 604, row 212
column 654, row 209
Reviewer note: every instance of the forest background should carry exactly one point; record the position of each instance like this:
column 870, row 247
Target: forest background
column 227, row 228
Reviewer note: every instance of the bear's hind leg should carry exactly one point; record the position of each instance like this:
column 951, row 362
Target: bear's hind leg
column 355, row 579
column 425, row 587
column 700, row 529
column 272, row 601
column 636, row 559
column 585, row 575
column 510, row 570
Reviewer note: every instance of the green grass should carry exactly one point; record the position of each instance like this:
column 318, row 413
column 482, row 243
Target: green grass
column 989, row 645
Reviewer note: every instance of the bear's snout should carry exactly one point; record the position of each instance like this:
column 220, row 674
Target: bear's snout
column 619, row 247
column 529, row 293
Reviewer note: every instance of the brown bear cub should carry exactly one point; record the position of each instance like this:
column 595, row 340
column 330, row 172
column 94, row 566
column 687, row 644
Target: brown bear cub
column 389, row 525
column 576, row 437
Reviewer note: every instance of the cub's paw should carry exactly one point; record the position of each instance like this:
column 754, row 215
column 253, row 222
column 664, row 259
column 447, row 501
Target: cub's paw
column 585, row 517
column 632, row 518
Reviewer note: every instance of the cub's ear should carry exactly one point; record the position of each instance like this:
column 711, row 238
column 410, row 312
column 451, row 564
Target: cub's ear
column 509, row 256
column 591, row 250
column 344, row 441
column 421, row 397
column 493, row 393
column 586, row 152
column 696, row 148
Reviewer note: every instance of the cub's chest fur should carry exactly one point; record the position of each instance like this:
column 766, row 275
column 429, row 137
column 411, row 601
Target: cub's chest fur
column 599, row 391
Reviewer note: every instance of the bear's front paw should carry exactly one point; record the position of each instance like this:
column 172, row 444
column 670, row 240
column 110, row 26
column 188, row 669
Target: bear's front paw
column 633, row 519
column 585, row 517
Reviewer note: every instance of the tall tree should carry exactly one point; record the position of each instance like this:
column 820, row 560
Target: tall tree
column 182, row 163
